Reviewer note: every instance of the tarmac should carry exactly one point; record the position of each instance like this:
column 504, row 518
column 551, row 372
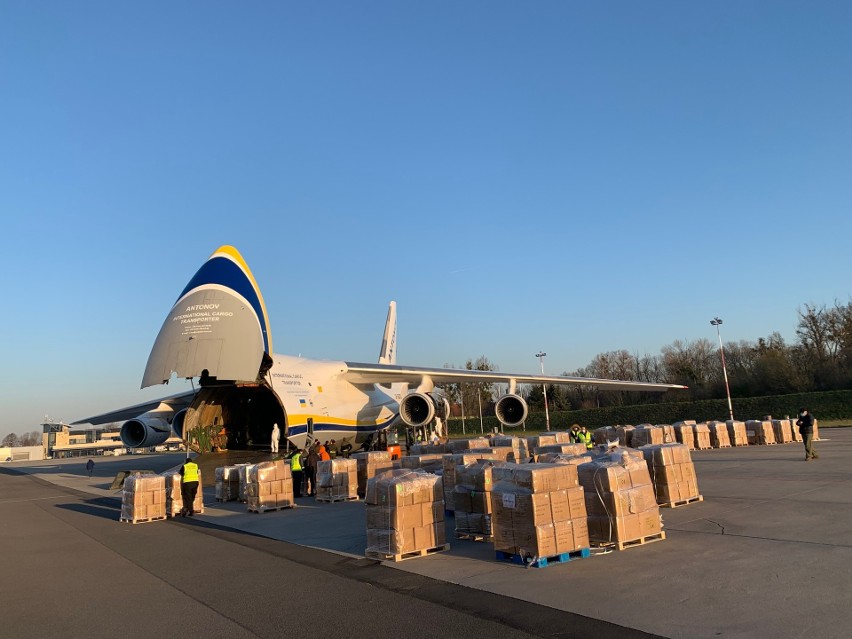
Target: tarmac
column 768, row 553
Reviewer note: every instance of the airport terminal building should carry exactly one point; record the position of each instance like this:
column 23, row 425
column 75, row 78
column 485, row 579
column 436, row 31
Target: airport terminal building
column 60, row 442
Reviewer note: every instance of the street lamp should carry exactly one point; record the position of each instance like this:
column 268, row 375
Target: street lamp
column 717, row 322
column 541, row 355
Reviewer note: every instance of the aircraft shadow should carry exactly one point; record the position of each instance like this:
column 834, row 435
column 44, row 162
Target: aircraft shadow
column 94, row 508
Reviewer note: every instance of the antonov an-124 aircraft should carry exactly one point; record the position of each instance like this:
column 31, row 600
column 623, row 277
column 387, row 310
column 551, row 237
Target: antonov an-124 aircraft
column 218, row 331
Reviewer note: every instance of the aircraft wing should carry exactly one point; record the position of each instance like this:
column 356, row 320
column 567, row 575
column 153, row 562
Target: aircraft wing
column 175, row 402
column 358, row 373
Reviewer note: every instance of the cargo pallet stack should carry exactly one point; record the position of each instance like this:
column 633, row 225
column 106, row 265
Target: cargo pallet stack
column 243, row 471
column 539, row 514
column 760, row 432
column 620, row 501
column 174, row 498
column 737, row 433
column 270, row 487
column 508, row 448
column 227, row 483
column 782, row 430
column 685, row 434
column 702, row 437
column 369, row 464
column 645, row 435
column 673, row 474
column 719, row 437
column 472, row 499
column 143, row 499
column 428, row 463
column 405, row 515
column 337, row 480
column 450, row 461
column 560, row 449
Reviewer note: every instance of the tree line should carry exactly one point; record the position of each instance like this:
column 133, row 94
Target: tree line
column 820, row 359
column 27, row 439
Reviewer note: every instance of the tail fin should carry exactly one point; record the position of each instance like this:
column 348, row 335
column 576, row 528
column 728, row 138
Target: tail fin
column 218, row 325
column 387, row 354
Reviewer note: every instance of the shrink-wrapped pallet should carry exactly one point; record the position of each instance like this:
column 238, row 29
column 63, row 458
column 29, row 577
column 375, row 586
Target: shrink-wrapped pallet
column 545, row 439
column 337, row 480
column 450, row 462
column 369, row 464
column 562, row 449
column 143, row 498
column 782, row 430
column 797, row 436
column 472, row 498
column 760, row 432
column 519, row 452
column 270, row 486
column 672, row 473
column 428, row 463
column 461, row 445
column 816, row 429
column 685, row 434
column 702, row 437
column 646, row 434
column 243, row 470
column 669, row 434
column 625, row 435
column 620, row 500
column 737, row 433
column 227, row 483
column 428, row 449
column 562, row 437
column 405, row 513
column 561, row 458
column 174, row 497
column 538, row 510
column 604, row 435
column 719, row 437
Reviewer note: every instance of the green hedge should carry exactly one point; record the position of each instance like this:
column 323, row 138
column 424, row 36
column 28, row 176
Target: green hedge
column 827, row 405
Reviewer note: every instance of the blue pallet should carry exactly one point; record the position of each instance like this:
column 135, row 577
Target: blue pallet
column 541, row 562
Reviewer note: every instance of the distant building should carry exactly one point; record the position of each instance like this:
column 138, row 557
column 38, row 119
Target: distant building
column 21, row 453
column 60, row 442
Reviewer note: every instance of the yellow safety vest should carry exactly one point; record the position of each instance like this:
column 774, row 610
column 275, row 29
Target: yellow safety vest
column 190, row 472
column 296, row 462
column 585, row 438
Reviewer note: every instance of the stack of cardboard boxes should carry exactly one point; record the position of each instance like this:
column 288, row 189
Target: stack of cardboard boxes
column 405, row 514
column 672, row 473
column 737, row 433
column 719, row 437
column 797, row 436
column 760, row 432
column 508, row 448
column 143, row 498
column 227, row 483
column 369, row 464
column 472, row 499
column 782, row 430
column 270, row 486
column 428, row 463
column 337, row 480
column 625, row 435
column 620, row 500
column 538, row 510
column 562, row 449
column 685, row 434
column 450, row 462
column 604, row 435
column 461, row 445
column 646, row 434
column 702, row 437
column 174, row 498
column 243, row 470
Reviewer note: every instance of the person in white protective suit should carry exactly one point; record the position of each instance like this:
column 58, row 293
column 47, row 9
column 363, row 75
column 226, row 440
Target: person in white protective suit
column 276, row 435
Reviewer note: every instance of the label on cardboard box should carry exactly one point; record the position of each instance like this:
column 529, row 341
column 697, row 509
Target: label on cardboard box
column 508, row 500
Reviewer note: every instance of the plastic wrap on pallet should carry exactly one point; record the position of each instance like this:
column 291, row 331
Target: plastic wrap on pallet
column 625, row 435
column 337, row 479
column 560, row 458
column 428, row 449
column 783, row 432
column 450, row 462
column 461, row 445
column 368, row 464
column 227, row 483
column 174, row 497
column 702, row 436
column 143, row 498
column 508, row 448
column 737, row 433
column 672, row 472
column 620, row 499
column 534, row 478
column 405, row 512
column 243, row 472
column 603, row 435
column 562, row 449
column 270, row 486
column 537, row 514
column 760, row 431
column 719, row 436
column 429, row 463
column 797, row 436
column 645, row 435
column 685, row 434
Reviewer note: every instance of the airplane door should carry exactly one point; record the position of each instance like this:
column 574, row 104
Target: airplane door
column 310, row 430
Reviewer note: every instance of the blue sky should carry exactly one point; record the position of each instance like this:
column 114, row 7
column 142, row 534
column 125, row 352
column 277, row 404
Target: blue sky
column 573, row 177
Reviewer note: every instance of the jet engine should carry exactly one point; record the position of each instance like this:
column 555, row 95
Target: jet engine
column 511, row 410
column 149, row 429
column 419, row 409
column 178, row 421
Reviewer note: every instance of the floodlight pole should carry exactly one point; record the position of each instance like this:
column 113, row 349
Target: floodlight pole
column 541, row 355
column 717, row 322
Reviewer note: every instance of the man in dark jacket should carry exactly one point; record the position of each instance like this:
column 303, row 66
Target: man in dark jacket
column 310, row 462
column 806, row 428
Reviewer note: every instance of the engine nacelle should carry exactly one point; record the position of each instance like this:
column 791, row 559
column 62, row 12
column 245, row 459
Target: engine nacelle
column 511, row 410
column 149, row 429
column 178, row 421
column 419, row 409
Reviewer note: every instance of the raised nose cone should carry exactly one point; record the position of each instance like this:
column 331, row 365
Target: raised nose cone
column 218, row 325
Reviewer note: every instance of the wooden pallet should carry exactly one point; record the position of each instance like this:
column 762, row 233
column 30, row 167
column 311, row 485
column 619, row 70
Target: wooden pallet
column 543, row 562
column 381, row 556
column 331, row 500
column 724, row 446
column 267, row 509
column 125, row 520
column 474, row 536
column 622, row 545
column 682, row 502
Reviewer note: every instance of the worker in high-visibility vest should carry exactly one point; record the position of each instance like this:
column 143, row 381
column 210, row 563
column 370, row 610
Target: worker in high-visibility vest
column 296, row 471
column 190, row 474
column 584, row 436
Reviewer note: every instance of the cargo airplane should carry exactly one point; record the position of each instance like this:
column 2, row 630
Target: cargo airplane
column 218, row 332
